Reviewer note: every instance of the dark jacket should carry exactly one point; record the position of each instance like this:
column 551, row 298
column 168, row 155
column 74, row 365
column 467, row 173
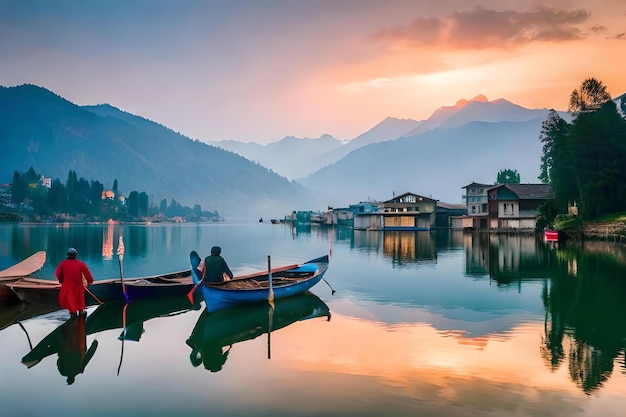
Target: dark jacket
column 214, row 269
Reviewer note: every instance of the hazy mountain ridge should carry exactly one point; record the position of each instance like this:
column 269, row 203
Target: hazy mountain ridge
column 436, row 163
column 290, row 157
column 41, row 129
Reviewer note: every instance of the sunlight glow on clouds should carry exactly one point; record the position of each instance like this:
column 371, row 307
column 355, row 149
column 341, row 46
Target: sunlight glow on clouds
column 242, row 70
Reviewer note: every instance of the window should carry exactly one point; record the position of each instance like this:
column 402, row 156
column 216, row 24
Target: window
column 505, row 207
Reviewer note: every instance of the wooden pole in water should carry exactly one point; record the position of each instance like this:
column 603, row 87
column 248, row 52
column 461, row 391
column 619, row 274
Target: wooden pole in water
column 120, row 254
column 270, row 295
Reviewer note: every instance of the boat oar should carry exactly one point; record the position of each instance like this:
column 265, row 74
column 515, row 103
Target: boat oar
column 120, row 254
column 93, row 295
column 190, row 293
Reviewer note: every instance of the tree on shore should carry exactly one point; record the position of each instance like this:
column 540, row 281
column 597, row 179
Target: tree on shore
column 583, row 161
column 508, row 176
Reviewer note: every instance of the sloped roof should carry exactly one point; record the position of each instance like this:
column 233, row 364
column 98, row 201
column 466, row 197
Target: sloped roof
column 477, row 184
column 417, row 196
column 529, row 191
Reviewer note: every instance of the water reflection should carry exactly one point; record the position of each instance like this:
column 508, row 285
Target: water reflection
column 506, row 259
column 402, row 248
column 69, row 339
column 585, row 310
column 215, row 333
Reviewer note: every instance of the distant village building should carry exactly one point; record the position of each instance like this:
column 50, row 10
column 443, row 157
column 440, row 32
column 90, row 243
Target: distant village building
column 477, row 204
column 516, row 206
column 108, row 195
column 506, row 207
column 408, row 211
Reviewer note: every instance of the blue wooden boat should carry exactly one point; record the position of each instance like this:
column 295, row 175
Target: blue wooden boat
column 253, row 288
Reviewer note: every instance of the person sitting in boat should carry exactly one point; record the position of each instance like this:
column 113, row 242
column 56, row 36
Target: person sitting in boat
column 74, row 276
column 215, row 268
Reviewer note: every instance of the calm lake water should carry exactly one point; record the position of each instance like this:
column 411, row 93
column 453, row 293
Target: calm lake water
column 429, row 324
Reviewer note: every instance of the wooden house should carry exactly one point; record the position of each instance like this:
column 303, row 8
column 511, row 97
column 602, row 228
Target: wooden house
column 408, row 212
column 477, row 203
column 516, row 206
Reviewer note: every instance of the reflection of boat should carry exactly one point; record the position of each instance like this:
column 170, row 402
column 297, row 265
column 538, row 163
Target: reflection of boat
column 221, row 329
column 114, row 315
column 286, row 281
column 24, row 268
column 46, row 291
column 17, row 312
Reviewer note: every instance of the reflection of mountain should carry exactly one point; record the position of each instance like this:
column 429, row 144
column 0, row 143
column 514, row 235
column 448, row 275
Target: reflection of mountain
column 216, row 332
column 585, row 313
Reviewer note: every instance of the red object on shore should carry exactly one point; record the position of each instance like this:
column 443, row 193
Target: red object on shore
column 551, row 235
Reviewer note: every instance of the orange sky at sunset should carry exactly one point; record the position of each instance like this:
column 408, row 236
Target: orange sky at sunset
column 259, row 71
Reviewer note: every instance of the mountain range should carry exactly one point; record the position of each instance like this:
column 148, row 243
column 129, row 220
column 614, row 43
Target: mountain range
column 470, row 141
column 43, row 130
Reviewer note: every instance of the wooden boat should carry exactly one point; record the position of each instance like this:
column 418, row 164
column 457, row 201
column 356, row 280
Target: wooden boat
column 551, row 235
column 129, row 317
column 24, row 268
column 216, row 332
column 45, row 291
column 286, row 281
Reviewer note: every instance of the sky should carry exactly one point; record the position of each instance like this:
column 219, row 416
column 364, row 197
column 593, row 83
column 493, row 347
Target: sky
column 257, row 71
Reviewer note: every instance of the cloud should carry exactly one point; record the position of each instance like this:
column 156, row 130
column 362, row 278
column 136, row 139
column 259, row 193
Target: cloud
column 483, row 28
column 619, row 36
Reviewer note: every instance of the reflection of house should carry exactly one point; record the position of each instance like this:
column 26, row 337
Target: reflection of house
column 516, row 206
column 409, row 247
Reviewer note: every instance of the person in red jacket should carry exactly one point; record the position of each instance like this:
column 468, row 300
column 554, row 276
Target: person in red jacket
column 73, row 276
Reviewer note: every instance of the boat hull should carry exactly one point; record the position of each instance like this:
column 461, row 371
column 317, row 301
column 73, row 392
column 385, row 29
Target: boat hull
column 222, row 295
column 42, row 291
column 22, row 269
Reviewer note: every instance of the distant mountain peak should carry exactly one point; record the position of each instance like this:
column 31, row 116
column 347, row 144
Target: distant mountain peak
column 463, row 102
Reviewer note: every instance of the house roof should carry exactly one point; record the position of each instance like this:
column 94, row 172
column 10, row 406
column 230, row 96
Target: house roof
column 417, row 196
column 529, row 191
column 451, row 206
column 477, row 184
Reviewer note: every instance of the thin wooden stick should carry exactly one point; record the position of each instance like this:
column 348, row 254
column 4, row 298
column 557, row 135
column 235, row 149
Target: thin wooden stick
column 93, row 295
